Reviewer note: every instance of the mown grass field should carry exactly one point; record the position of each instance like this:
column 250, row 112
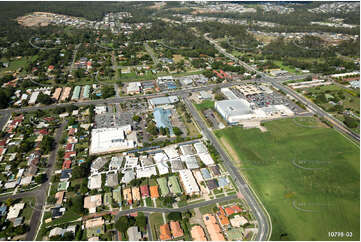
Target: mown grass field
column 206, row 104
column 306, row 175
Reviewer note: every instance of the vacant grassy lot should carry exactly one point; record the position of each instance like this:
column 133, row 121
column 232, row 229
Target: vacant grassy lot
column 306, row 175
column 206, row 104
column 290, row 69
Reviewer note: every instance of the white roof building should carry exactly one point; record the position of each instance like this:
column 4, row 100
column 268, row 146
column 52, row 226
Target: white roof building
column 146, row 171
column 200, row 148
column 162, row 167
column 100, row 109
column 161, row 161
column 98, row 163
column 234, row 110
column 189, row 183
column 131, row 162
column 14, row 210
column 238, row 221
column 206, row 159
column 33, row 98
column 26, row 180
column 10, row 184
column 128, row 176
column 95, row 181
column 116, row 163
column 171, row 152
column 191, row 162
column 133, row 87
column 228, row 93
column 106, row 140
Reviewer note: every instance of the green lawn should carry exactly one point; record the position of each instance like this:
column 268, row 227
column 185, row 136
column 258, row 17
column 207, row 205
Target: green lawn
column 307, row 176
column 206, row 104
column 290, row 69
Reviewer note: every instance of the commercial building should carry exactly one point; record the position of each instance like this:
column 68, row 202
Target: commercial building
column 162, row 120
column 228, row 93
column 161, row 101
column 133, row 88
column 105, row 140
column 234, row 110
column 188, row 182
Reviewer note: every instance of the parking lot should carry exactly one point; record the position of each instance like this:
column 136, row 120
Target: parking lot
column 266, row 99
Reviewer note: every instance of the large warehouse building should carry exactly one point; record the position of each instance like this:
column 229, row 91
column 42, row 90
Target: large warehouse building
column 234, row 110
column 105, row 140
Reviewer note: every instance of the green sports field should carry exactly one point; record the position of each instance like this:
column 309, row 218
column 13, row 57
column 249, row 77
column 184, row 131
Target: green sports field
column 307, row 176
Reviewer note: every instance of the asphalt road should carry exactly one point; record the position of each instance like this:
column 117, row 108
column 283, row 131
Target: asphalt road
column 263, row 220
column 115, row 100
column 168, row 210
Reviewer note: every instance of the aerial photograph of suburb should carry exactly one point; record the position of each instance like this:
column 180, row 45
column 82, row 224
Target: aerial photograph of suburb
column 179, row 120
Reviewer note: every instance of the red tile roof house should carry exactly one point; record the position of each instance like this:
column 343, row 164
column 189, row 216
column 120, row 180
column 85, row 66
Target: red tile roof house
column 69, row 154
column 66, row 164
column 3, row 142
column 71, row 132
column 232, row 209
column 51, row 67
column 69, row 147
column 144, row 191
column 42, row 131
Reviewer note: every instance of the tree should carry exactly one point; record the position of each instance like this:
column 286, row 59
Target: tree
column 137, row 118
column 80, row 171
column 47, row 144
column 122, row 224
column 177, row 131
column 141, row 221
column 175, row 216
column 44, row 99
column 41, row 178
column 26, row 146
column 351, row 122
column 76, row 205
column 152, row 129
column 108, row 91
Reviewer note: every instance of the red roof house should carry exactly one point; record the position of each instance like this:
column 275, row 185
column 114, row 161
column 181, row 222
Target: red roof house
column 144, row 191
